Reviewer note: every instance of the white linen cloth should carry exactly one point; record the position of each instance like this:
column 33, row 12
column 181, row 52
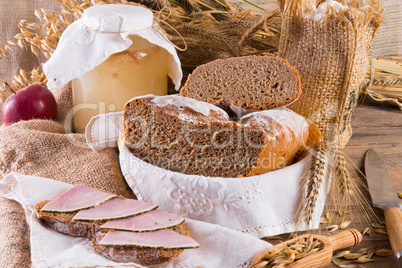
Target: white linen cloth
column 263, row 205
column 219, row 246
column 102, row 31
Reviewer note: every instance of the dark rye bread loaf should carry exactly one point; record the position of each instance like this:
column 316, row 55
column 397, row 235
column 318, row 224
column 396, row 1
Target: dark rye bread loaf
column 193, row 137
column 250, row 82
column 64, row 223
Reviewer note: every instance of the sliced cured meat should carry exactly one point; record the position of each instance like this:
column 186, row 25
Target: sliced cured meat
column 153, row 220
column 115, row 209
column 166, row 238
column 77, row 198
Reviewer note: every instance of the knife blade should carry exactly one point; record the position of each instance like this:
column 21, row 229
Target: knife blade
column 384, row 197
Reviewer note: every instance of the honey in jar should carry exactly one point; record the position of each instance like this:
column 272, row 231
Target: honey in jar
column 139, row 70
column 111, row 54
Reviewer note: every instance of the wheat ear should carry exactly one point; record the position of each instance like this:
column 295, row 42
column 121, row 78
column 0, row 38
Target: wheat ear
column 255, row 27
column 343, row 173
column 318, row 170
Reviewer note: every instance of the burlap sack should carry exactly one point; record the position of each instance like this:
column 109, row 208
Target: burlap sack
column 332, row 57
column 41, row 148
column 388, row 39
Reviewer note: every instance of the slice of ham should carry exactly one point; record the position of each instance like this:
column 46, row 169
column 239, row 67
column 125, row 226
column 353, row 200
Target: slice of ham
column 115, row 209
column 153, row 220
column 77, row 198
column 166, row 238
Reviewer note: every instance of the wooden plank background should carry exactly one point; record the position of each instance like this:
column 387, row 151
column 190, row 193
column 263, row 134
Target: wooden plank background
column 378, row 126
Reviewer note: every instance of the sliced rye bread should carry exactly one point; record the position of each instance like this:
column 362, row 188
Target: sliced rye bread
column 140, row 255
column 64, row 223
column 250, row 82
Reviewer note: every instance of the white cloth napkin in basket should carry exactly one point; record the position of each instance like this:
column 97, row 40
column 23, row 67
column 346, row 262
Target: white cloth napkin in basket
column 263, row 205
column 219, row 246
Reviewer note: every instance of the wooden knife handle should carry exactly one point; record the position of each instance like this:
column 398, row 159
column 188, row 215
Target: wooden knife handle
column 344, row 239
column 393, row 219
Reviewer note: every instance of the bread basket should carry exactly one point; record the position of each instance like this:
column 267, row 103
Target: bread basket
column 262, row 205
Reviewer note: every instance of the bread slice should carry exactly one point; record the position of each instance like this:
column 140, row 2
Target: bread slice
column 140, row 255
column 250, row 82
column 64, row 223
column 180, row 139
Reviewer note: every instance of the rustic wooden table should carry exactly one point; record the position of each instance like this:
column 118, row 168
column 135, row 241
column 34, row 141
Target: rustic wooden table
column 378, row 126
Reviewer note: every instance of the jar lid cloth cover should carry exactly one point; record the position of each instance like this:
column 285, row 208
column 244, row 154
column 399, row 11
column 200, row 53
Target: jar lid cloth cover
column 104, row 30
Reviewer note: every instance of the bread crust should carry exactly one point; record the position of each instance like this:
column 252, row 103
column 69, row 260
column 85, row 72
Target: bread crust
column 64, row 223
column 140, row 255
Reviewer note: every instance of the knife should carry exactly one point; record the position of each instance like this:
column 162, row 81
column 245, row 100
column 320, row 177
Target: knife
column 384, row 197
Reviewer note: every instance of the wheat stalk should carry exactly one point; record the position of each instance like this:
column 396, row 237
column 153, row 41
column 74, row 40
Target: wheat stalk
column 343, row 174
column 318, row 170
column 357, row 193
column 247, row 35
column 348, row 190
column 202, row 32
column 384, row 80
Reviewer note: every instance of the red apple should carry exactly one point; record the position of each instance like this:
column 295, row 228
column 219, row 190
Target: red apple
column 33, row 102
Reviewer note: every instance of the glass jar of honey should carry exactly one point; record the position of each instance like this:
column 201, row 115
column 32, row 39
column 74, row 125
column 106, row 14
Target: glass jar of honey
column 141, row 69
column 113, row 53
